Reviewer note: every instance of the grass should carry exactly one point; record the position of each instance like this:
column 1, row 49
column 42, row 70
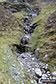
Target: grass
column 2, row 0
column 41, row 18
column 39, row 37
column 20, row 14
column 7, row 57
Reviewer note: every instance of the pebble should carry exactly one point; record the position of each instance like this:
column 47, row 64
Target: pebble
column 33, row 69
column 45, row 56
column 13, row 65
column 33, row 59
column 54, row 77
column 22, row 55
column 45, row 67
column 32, row 82
column 36, row 51
column 48, row 72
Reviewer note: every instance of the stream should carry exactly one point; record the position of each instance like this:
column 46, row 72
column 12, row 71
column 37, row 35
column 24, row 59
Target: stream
column 37, row 69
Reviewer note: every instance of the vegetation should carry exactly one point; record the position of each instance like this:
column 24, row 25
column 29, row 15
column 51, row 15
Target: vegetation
column 10, row 33
column 40, row 36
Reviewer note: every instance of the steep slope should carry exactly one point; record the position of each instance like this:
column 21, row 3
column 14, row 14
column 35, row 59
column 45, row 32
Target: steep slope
column 43, row 36
column 11, row 71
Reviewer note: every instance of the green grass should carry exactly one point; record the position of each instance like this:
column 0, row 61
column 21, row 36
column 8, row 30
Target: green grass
column 6, row 53
column 39, row 37
column 7, row 58
column 20, row 14
column 2, row 0
column 41, row 19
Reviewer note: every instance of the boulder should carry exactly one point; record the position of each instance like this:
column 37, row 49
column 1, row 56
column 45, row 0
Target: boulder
column 33, row 25
column 38, row 72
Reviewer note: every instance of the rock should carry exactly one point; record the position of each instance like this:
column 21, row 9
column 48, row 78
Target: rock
column 24, row 40
column 12, row 10
column 38, row 72
column 27, row 36
column 45, row 67
column 31, row 30
column 26, row 20
column 54, row 78
column 27, row 28
column 20, row 48
column 36, row 51
column 13, row 65
column 45, row 56
column 33, row 25
column 33, row 69
column 34, row 14
column 54, row 73
column 22, row 55
column 39, row 81
column 48, row 72
column 44, row 76
column 32, row 82
column 33, row 59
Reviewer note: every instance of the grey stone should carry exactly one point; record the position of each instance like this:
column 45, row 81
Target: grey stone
column 38, row 72
column 44, row 76
column 54, row 73
column 45, row 56
column 33, row 59
column 13, row 65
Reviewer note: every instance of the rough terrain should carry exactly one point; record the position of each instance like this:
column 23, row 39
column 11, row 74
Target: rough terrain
column 27, row 42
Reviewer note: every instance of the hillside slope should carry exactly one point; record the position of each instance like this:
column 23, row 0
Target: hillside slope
column 11, row 71
column 45, row 37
